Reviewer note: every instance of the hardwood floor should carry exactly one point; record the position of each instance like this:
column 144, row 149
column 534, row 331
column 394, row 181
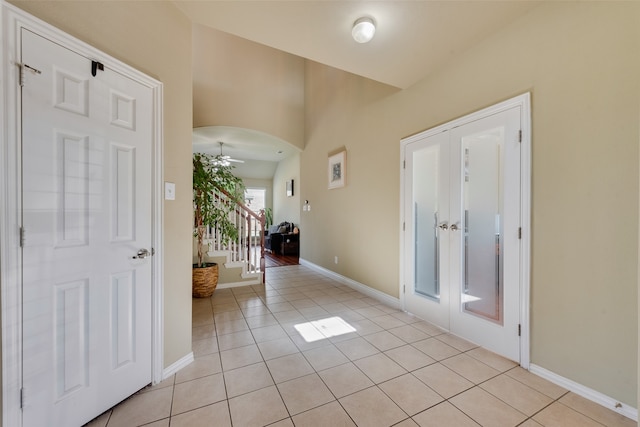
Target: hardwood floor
column 274, row 260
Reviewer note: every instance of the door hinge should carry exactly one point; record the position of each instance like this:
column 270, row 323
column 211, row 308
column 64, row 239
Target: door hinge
column 403, row 226
column 520, row 136
column 21, row 68
column 404, row 289
column 519, row 330
column 22, row 398
column 20, row 75
column 519, row 232
column 404, row 164
column 21, row 231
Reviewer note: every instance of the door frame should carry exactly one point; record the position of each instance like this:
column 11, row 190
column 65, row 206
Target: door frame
column 524, row 102
column 13, row 20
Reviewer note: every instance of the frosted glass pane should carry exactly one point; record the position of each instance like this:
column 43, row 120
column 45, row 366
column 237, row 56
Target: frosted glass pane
column 482, row 198
column 425, row 214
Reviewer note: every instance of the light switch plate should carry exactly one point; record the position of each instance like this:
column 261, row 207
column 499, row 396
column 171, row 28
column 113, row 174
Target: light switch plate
column 169, row 191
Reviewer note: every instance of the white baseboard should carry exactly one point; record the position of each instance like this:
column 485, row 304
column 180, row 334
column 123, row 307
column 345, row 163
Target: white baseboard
column 586, row 392
column 255, row 281
column 373, row 293
column 177, row 365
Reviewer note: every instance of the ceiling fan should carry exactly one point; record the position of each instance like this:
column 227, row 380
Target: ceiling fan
column 227, row 159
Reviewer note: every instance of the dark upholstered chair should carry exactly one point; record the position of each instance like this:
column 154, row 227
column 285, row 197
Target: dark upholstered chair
column 274, row 236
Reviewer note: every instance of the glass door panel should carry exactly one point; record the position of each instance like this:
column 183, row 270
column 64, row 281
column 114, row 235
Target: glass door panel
column 485, row 248
column 482, row 195
column 426, row 170
column 426, row 207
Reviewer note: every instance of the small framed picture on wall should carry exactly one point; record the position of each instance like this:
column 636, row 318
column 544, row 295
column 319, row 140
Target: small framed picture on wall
column 338, row 170
column 290, row 188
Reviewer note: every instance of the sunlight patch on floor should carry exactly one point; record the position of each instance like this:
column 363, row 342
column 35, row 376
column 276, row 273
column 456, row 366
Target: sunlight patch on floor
column 324, row 328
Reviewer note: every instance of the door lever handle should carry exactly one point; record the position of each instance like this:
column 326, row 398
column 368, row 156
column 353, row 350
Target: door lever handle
column 142, row 254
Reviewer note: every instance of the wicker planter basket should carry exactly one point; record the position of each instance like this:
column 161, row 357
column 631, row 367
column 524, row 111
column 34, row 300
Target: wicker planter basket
column 204, row 280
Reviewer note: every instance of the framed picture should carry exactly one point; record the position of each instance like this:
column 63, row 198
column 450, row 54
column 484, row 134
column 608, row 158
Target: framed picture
column 338, row 170
column 290, row 188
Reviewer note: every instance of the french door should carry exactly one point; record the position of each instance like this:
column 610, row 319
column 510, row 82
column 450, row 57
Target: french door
column 462, row 239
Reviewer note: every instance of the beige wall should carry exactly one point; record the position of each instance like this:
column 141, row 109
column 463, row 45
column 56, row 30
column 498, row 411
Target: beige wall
column 287, row 208
column 358, row 223
column 155, row 38
column 581, row 62
column 243, row 84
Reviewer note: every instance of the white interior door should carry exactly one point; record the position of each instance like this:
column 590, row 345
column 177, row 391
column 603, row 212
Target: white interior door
column 462, row 222
column 427, row 241
column 484, row 233
column 86, row 161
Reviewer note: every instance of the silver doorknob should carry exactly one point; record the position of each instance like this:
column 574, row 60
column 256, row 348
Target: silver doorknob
column 454, row 227
column 443, row 226
column 142, row 254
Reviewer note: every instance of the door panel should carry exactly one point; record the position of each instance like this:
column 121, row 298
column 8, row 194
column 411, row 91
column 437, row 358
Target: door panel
column 462, row 216
column 86, row 212
column 485, row 286
column 426, row 214
column 427, row 205
column 481, row 199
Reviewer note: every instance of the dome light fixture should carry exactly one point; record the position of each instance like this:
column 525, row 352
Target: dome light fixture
column 363, row 29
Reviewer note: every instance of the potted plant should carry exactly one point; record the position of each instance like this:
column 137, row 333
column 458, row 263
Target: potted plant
column 268, row 217
column 210, row 175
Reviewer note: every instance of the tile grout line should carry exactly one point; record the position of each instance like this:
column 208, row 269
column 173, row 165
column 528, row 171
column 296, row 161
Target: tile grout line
column 332, row 343
column 275, row 385
column 224, row 379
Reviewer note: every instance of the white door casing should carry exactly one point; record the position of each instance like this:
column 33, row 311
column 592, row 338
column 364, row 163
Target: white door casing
column 448, row 155
column 77, row 287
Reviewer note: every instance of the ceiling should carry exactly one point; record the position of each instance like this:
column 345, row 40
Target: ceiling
column 413, row 38
column 260, row 152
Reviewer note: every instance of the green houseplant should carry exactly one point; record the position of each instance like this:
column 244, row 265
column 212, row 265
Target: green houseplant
column 210, row 175
column 268, row 217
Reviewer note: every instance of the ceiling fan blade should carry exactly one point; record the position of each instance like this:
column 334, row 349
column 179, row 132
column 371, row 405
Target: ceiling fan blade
column 228, row 158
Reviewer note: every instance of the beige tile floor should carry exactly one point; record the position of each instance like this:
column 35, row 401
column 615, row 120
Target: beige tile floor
column 253, row 368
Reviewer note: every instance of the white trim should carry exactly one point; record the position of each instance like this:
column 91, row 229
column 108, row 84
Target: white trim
column 256, row 275
column 177, row 365
column 235, row 264
column 157, row 312
column 13, row 19
column 401, row 231
column 524, row 102
column 255, row 281
column 369, row 291
column 220, row 254
column 525, row 223
column 586, row 392
column 10, row 257
column 253, row 278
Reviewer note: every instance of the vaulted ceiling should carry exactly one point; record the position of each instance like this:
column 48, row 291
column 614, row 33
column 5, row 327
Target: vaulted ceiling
column 412, row 37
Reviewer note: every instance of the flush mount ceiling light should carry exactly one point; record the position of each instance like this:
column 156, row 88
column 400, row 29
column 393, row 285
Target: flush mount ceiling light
column 363, row 29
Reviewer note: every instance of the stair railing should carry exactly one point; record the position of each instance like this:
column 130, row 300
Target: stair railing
column 249, row 247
